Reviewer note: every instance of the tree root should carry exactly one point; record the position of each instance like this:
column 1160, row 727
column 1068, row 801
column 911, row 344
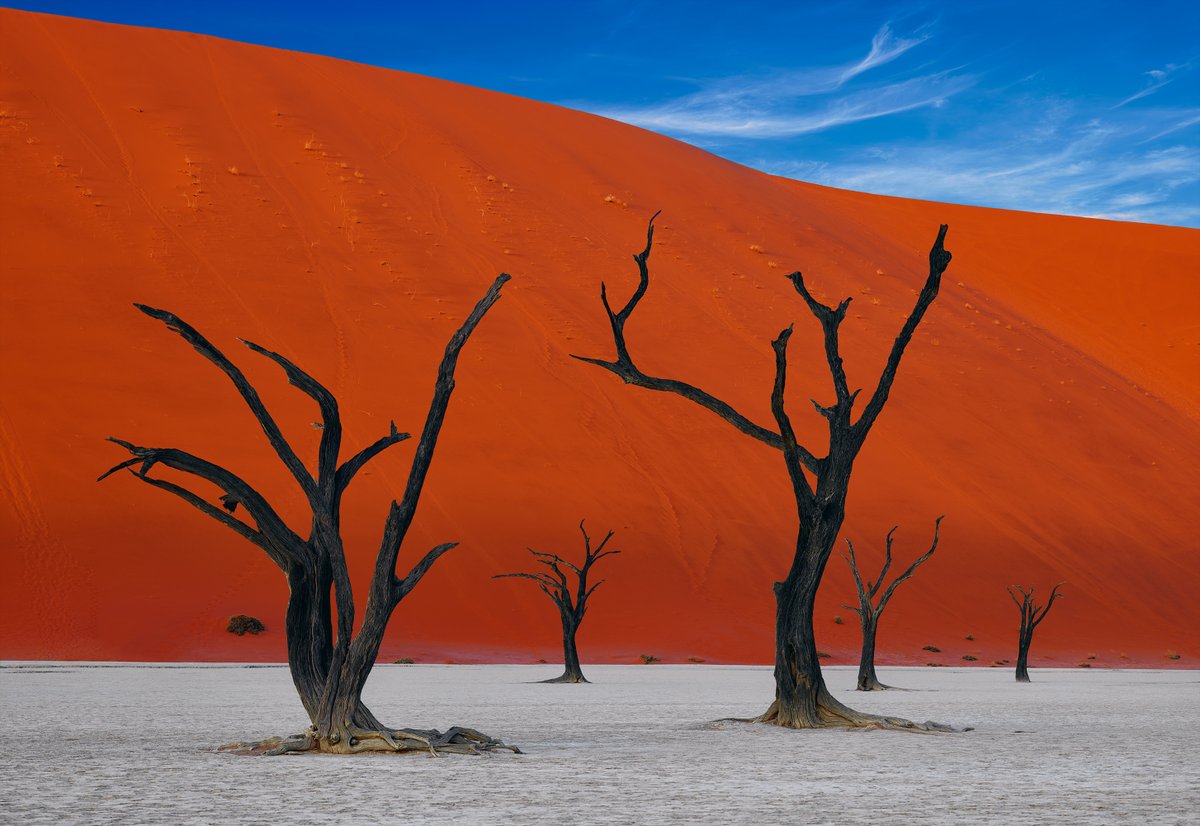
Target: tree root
column 566, row 678
column 455, row 740
column 830, row 714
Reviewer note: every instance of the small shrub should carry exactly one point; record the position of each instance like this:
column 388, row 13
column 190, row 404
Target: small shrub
column 756, row 248
column 1091, row 656
column 540, row 662
column 932, row 648
column 934, row 665
column 1172, row 655
column 650, row 658
column 823, row 655
column 233, row 170
column 837, row 619
column 404, row 661
column 695, row 659
column 243, row 624
column 969, row 658
column 970, row 636
column 1085, row 665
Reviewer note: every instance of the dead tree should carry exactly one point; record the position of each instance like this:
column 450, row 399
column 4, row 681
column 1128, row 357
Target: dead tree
column 570, row 610
column 1032, row 615
column 869, row 612
column 801, row 697
column 328, row 670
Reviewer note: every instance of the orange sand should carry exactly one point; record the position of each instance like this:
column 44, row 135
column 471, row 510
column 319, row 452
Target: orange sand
column 348, row 217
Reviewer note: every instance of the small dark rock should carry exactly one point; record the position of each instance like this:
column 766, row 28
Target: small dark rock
column 243, row 624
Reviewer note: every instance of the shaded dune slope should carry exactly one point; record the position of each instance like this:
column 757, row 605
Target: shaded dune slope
column 349, row 217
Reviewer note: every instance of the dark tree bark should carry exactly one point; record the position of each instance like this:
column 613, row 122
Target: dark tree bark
column 819, row 484
column 1032, row 615
column 329, row 665
column 555, row 585
column 869, row 611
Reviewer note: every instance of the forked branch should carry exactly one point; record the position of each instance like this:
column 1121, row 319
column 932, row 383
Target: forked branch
column 939, row 259
column 202, row 346
column 866, row 594
column 401, row 515
column 624, row 367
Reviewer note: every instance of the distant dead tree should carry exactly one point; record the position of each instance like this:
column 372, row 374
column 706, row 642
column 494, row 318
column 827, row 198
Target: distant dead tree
column 1032, row 615
column 555, row 585
column 869, row 612
column 801, row 697
column 328, row 672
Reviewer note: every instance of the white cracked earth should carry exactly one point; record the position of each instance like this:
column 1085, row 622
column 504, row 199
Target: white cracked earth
column 113, row 743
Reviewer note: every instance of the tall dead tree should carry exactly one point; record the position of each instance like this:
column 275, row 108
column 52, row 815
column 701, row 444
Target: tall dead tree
column 869, row 611
column 801, row 697
column 1032, row 615
column 328, row 670
column 570, row 610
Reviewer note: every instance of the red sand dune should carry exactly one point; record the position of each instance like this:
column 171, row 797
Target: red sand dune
column 349, row 217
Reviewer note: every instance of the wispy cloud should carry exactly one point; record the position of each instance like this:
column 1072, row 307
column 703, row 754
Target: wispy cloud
column 748, row 118
column 885, row 47
column 1158, row 79
column 799, row 101
column 1090, row 170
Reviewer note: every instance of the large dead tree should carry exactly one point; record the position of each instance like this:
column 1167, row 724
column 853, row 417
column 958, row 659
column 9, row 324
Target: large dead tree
column 819, row 483
column 869, row 611
column 1032, row 615
column 328, row 670
column 571, row 610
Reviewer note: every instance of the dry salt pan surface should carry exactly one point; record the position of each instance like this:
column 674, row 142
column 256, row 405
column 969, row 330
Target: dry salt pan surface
column 133, row 744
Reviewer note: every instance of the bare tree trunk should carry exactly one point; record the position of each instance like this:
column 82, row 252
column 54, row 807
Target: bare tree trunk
column 571, row 608
column 1023, row 657
column 801, row 698
column 572, row 672
column 1032, row 615
column 869, row 612
column 867, row 681
column 328, row 669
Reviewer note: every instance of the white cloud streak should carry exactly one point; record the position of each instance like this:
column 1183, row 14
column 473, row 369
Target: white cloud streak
column 1091, row 173
column 1158, row 79
column 885, row 48
column 778, row 106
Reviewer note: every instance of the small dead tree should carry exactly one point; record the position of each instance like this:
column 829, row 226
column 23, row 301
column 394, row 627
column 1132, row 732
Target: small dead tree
column 1032, row 615
column 570, row 610
column 328, row 671
column 801, row 697
column 869, row 612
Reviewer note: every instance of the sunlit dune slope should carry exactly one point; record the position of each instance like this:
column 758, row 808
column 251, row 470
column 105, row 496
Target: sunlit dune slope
column 348, row 217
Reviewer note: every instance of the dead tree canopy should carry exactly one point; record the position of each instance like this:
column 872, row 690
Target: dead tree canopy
column 1032, row 615
column 555, row 584
column 869, row 610
column 328, row 669
column 819, row 483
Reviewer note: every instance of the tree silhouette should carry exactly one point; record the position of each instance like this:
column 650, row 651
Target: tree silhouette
column 801, row 697
column 1032, row 615
column 555, row 585
column 869, row 611
column 328, row 671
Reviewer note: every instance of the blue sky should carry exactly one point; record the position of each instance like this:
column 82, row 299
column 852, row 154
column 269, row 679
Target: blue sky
column 1084, row 108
